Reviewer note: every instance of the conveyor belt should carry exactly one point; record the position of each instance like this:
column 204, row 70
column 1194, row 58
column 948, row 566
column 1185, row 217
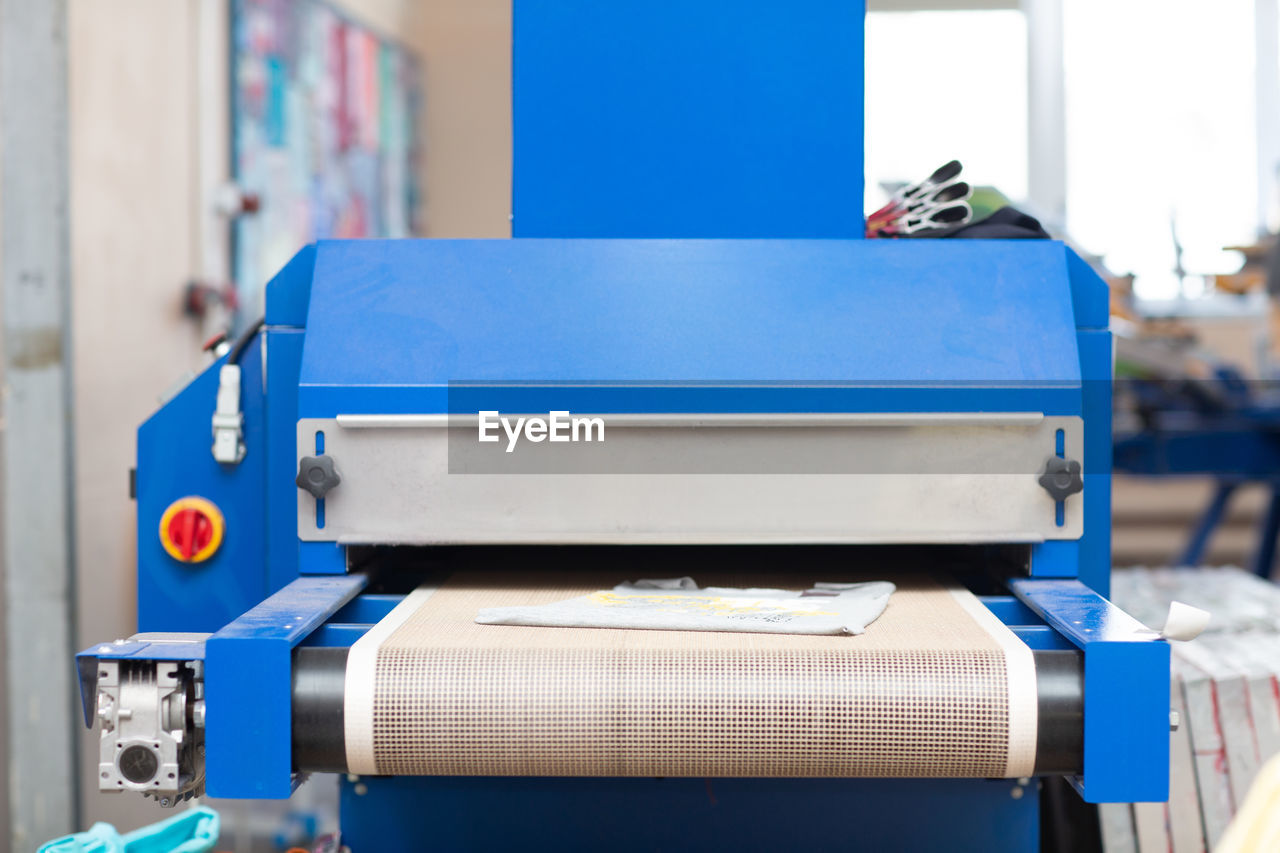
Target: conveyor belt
column 936, row 687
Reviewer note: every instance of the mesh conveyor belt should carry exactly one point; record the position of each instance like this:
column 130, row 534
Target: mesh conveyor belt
column 319, row 683
column 936, row 687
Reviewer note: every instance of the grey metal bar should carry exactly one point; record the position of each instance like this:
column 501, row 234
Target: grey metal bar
column 35, row 442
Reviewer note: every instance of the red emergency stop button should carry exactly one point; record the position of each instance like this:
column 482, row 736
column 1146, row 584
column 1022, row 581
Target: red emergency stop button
column 191, row 529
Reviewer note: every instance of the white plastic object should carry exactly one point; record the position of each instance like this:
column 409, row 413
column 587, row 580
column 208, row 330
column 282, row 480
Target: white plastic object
column 1184, row 622
column 228, row 422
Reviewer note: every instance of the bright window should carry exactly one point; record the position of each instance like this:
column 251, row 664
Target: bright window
column 943, row 85
column 1160, row 127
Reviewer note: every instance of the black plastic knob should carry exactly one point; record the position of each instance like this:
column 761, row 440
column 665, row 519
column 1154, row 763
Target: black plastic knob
column 316, row 475
column 1061, row 478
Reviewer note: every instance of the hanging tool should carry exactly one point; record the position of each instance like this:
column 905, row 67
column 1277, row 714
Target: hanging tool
column 938, row 197
column 931, row 218
column 920, row 207
column 942, row 175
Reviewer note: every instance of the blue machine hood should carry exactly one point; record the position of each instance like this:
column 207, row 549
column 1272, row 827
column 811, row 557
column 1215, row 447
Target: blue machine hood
column 420, row 316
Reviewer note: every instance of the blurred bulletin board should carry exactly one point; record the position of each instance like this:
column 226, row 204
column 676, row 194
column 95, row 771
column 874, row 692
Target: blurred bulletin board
column 324, row 130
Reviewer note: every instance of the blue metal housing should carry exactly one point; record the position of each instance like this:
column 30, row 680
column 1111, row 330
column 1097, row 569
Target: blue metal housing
column 689, row 814
column 637, row 326
column 693, row 119
column 174, row 461
column 875, row 325
column 712, row 326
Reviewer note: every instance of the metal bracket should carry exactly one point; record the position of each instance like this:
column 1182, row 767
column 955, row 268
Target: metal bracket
column 1126, row 690
column 248, row 672
column 152, row 738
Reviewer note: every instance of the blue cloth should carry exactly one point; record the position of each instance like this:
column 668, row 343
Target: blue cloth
column 192, row 831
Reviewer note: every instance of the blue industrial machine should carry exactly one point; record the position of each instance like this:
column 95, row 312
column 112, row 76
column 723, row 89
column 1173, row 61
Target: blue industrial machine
column 981, row 369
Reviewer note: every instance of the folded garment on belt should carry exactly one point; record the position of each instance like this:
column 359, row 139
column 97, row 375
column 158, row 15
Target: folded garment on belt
column 678, row 604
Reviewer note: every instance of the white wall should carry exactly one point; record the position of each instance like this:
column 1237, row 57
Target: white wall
column 148, row 142
column 467, row 49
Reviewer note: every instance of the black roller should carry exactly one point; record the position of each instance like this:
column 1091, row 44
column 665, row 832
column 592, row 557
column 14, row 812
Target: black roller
column 319, row 680
column 319, row 676
column 1060, row 728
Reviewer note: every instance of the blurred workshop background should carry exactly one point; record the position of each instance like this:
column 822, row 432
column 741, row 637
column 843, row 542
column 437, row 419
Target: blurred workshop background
column 206, row 140
column 1169, row 129
column 168, row 102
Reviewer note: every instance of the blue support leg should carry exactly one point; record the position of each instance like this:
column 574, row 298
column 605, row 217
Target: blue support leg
column 1209, row 521
column 1265, row 557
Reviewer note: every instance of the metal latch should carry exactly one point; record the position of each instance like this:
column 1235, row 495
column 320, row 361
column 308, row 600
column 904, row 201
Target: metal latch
column 228, row 421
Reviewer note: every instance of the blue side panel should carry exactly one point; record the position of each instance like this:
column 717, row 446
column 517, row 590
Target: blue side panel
column 284, row 350
column 368, row 609
column 1089, row 293
column 289, row 293
column 1088, row 558
column 1010, row 610
column 175, row 461
column 248, row 667
column 1059, row 558
column 321, row 558
column 337, row 634
column 1095, row 545
column 767, row 815
column 1039, row 638
column 288, row 300
column 687, row 118
column 1126, row 723
column 327, row 400
column 932, row 314
column 1126, row 690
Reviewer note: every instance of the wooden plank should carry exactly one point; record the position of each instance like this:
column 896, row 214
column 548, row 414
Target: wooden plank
column 1186, row 827
column 1116, row 821
column 1208, row 748
column 1150, row 827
